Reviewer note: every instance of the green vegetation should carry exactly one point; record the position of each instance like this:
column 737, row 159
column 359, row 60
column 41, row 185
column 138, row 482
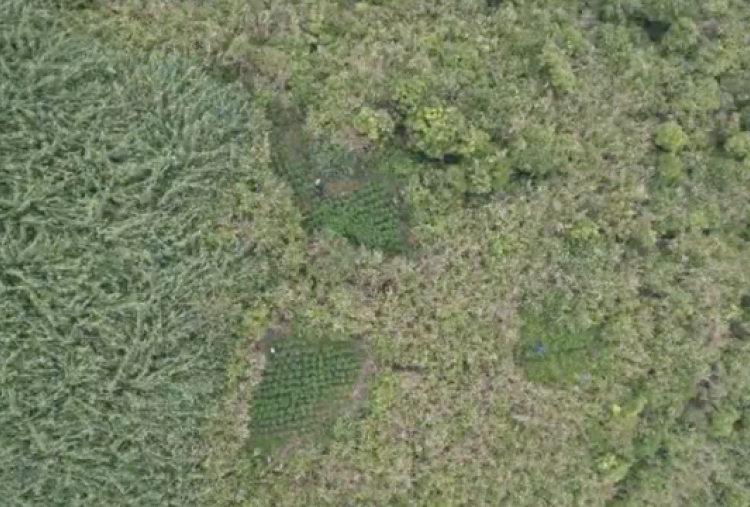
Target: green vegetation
column 739, row 145
column 670, row 137
column 121, row 296
column 304, row 382
column 533, row 216
column 338, row 190
column 558, row 350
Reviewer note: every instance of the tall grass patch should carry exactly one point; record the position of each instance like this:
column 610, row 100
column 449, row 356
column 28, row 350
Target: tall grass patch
column 114, row 171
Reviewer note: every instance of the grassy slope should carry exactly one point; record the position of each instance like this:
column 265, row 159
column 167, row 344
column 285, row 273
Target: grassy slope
column 572, row 342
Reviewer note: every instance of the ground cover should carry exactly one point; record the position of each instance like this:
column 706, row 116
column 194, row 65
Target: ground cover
column 565, row 320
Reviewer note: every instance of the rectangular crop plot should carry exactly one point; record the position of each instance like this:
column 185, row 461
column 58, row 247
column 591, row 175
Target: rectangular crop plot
column 304, row 383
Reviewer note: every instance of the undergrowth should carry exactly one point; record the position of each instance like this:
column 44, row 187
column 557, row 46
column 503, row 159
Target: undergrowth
column 577, row 337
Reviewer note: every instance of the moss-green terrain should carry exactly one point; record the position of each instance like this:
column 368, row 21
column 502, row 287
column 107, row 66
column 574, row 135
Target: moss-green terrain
column 375, row 253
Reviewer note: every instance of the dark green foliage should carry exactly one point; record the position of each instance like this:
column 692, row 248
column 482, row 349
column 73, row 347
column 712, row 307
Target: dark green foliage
column 349, row 194
column 110, row 357
column 76, row 4
column 365, row 216
column 555, row 349
column 304, row 382
column 745, row 118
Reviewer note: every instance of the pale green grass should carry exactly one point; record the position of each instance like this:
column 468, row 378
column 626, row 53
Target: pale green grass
column 120, row 294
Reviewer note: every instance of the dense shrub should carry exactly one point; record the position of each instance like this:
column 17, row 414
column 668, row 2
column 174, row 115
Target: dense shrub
column 670, row 137
column 739, row 145
column 601, row 144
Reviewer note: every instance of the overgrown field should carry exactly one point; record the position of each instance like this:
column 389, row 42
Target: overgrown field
column 375, row 253
column 121, row 293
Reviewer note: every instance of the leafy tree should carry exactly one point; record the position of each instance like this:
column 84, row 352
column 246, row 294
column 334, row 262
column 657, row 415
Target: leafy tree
column 670, row 137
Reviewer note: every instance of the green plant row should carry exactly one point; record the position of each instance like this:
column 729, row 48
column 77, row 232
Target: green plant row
column 339, row 191
column 304, row 382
